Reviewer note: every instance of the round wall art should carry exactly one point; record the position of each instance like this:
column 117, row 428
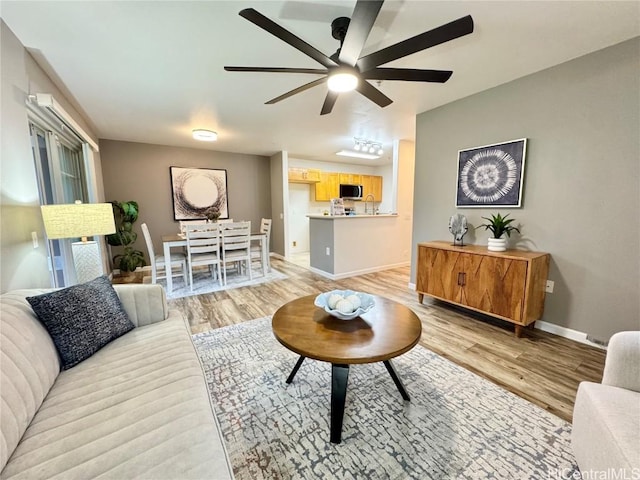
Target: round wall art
column 197, row 189
column 491, row 175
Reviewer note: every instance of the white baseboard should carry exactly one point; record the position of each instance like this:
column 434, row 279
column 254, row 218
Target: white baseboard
column 565, row 332
column 353, row 273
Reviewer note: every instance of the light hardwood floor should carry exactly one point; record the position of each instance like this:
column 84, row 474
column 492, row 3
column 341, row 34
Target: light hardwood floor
column 542, row 368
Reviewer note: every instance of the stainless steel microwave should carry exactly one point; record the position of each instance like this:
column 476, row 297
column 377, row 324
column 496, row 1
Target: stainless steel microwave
column 351, row 192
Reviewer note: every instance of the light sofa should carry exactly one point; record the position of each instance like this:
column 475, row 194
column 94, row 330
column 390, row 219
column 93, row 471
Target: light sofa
column 606, row 416
column 137, row 408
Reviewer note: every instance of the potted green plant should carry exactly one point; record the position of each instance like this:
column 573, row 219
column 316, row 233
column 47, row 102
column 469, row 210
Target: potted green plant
column 212, row 214
column 498, row 225
column 125, row 214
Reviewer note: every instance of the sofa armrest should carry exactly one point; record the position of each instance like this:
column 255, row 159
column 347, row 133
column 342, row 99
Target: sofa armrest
column 145, row 304
column 622, row 365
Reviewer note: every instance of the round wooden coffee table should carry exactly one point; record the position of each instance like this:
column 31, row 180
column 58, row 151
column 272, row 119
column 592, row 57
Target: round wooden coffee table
column 389, row 329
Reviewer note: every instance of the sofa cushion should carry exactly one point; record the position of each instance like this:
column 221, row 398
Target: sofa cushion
column 82, row 319
column 29, row 364
column 606, row 425
column 138, row 408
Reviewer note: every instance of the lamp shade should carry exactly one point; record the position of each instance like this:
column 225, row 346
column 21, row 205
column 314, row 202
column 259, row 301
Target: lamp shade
column 78, row 220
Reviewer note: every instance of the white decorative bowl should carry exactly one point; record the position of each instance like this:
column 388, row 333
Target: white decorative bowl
column 366, row 303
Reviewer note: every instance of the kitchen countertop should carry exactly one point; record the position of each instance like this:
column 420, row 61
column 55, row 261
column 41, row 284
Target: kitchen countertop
column 341, row 217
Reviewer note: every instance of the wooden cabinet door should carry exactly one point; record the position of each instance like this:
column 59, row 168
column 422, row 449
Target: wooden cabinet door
column 509, row 288
column 303, row 175
column 328, row 187
column 313, row 175
column 495, row 285
column 296, row 175
column 376, row 187
column 438, row 273
column 351, row 178
column 365, row 181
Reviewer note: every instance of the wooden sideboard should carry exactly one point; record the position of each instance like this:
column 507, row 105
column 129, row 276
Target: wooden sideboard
column 508, row 285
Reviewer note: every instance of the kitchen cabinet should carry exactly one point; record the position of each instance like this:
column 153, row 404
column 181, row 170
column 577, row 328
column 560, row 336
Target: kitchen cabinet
column 376, row 187
column 351, row 178
column 328, row 187
column 508, row 285
column 372, row 184
column 304, row 175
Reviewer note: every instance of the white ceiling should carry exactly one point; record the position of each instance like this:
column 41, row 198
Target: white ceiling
column 153, row 71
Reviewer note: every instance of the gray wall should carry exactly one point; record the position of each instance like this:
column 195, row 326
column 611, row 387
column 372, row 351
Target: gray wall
column 581, row 199
column 140, row 172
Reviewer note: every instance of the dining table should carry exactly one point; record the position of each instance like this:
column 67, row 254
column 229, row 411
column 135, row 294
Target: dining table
column 176, row 240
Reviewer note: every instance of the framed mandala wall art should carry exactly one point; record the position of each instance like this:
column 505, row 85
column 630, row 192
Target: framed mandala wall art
column 491, row 175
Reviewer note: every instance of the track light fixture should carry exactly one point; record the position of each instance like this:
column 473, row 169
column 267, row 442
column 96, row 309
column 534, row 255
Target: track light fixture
column 367, row 146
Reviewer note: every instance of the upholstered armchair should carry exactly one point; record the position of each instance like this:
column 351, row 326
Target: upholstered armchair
column 606, row 416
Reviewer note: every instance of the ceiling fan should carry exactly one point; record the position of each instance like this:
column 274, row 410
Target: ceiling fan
column 346, row 70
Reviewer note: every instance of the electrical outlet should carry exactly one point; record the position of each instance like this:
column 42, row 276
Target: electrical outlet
column 295, row 244
column 328, row 251
column 549, row 287
column 34, row 239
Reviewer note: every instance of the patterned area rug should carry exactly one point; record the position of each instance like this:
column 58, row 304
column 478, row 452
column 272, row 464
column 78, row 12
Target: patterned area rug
column 203, row 283
column 457, row 425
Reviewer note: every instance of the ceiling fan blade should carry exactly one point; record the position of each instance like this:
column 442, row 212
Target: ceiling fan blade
column 317, row 71
column 408, row 74
column 290, row 93
column 362, row 20
column 457, row 28
column 273, row 28
column 373, row 94
column 329, row 102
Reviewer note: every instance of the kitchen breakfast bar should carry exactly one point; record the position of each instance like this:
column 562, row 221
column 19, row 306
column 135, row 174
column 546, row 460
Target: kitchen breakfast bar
column 343, row 246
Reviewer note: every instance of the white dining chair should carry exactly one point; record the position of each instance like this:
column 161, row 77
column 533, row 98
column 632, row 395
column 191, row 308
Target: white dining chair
column 256, row 244
column 225, row 220
column 203, row 249
column 236, row 246
column 158, row 261
column 184, row 223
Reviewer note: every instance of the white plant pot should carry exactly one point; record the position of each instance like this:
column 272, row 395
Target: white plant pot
column 497, row 244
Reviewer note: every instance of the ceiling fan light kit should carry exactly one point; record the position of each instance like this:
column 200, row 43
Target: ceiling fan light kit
column 346, row 64
column 342, row 80
column 204, row 135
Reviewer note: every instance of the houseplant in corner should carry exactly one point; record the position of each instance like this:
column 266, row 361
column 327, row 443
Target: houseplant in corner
column 125, row 214
column 498, row 225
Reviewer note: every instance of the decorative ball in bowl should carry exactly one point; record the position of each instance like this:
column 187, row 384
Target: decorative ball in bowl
column 345, row 304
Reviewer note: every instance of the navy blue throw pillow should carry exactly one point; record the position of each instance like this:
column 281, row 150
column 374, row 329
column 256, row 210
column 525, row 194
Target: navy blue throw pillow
column 82, row 319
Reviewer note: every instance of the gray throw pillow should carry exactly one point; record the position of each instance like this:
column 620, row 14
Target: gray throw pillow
column 82, row 319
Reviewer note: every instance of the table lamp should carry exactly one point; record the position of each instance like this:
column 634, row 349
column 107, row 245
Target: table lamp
column 80, row 220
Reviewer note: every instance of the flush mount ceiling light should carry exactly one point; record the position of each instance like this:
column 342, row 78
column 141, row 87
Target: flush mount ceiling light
column 205, row 135
column 351, row 153
column 362, row 145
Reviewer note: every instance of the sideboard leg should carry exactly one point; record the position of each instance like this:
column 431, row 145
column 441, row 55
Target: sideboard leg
column 420, row 297
column 519, row 331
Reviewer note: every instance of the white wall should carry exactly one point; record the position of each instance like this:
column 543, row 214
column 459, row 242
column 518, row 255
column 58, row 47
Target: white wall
column 22, row 265
column 298, row 221
column 405, row 153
